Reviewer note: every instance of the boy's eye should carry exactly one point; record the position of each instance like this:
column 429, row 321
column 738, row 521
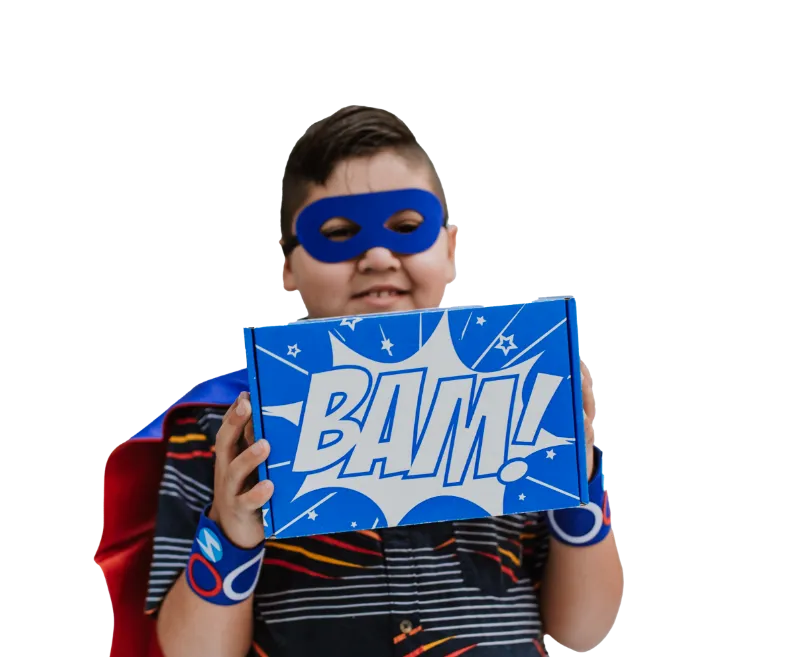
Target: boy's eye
column 405, row 221
column 339, row 230
column 406, row 227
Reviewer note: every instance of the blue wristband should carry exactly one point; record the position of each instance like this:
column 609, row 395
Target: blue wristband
column 584, row 525
column 218, row 571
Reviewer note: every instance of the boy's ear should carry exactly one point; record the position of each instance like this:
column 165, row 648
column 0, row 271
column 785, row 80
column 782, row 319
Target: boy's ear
column 452, row 235
column 288, row 277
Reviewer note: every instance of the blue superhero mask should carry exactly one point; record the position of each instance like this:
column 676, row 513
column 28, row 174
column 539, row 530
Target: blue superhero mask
column 370, row 224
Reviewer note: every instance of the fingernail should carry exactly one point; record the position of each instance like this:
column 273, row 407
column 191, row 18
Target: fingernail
column 257, row 447
column 242, row 407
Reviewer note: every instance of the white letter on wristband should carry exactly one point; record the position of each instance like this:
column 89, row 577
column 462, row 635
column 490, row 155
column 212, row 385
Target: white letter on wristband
column 231, row 577
column 594, row 509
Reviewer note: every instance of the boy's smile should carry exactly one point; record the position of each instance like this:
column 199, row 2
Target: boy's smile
column 381, row 295
column 378, row 280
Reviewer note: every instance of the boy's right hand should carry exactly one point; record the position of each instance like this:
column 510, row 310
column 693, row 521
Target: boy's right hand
column 236, row 504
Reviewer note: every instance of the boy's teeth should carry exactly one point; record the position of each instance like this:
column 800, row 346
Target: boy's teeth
column 382, row 293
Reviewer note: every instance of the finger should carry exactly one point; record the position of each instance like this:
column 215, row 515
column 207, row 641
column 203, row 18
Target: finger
column 589, row 431
column 585, row 373
column 255, row 498
column 248, row 441
column 244, row 465
column 588, row 394
column 231, row 429
column 248, row 431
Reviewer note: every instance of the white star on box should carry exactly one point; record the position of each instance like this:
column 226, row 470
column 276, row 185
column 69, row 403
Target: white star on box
column 265, row 517
column 293, row 350
column 386, row 343
column 354, row 524
column 481, row 320
column 509, row 340
column 550, row 454
column 521, row 497
column 350, row 322
column 312, row 515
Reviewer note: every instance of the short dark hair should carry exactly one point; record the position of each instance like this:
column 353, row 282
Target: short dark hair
column 351, row 132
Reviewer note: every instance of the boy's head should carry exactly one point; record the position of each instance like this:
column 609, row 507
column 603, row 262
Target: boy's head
column 360, row 150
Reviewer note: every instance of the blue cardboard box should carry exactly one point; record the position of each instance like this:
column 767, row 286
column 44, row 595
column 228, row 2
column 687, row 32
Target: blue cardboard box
column 406, row 418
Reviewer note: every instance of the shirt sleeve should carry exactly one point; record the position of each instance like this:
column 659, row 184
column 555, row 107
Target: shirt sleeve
column 185, row 489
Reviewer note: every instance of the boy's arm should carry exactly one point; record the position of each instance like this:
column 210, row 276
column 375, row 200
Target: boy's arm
column 582, row 587
column 186, row 624
column 581, row 592
column 189, row 625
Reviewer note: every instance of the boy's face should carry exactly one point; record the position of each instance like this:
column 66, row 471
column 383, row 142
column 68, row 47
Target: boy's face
column 378, row 280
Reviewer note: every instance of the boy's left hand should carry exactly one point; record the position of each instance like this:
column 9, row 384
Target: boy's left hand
column 588, row 417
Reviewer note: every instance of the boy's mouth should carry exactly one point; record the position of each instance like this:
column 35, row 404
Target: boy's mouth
column 380, row 292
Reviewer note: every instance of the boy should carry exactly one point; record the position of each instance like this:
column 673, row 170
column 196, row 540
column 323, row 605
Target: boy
column 493, row 586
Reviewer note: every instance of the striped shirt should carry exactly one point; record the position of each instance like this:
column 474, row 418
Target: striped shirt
column 444, row 589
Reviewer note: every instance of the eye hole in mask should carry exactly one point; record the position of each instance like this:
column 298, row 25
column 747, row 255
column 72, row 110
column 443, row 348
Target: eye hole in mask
column 340, row 229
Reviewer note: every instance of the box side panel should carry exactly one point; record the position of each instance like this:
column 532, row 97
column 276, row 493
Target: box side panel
column 577, row 398
column 259, row 430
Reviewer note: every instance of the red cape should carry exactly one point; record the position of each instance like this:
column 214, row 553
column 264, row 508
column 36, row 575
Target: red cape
column 131, row 497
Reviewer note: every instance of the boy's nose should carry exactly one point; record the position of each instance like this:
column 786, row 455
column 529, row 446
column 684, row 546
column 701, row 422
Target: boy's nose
column 378, row 259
